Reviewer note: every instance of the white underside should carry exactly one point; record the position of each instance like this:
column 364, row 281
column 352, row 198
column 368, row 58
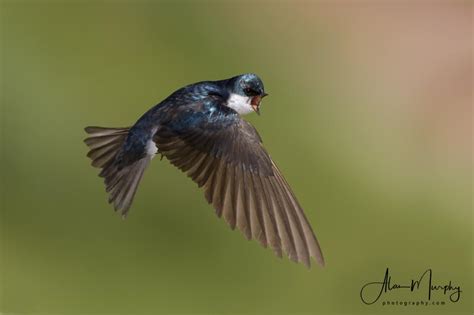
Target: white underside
column 241, row 104
column 151, row 148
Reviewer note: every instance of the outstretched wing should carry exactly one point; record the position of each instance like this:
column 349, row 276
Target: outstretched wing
column 224, row 154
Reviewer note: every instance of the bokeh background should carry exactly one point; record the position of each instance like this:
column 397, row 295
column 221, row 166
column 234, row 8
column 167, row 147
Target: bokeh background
column 369, row 117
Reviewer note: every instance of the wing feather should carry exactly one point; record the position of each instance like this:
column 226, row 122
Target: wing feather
column 225, row 156
column 295, row 225
column 256, row 219
column 281, row 219
column 228, row 208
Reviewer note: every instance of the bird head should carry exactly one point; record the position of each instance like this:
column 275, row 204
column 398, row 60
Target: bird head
column 246, row 93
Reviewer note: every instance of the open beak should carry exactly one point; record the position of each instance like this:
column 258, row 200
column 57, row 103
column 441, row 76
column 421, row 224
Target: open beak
column 256, row 109
column 256, row 102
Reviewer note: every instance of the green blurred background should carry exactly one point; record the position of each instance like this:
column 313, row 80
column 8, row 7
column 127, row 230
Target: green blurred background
column 369, row 118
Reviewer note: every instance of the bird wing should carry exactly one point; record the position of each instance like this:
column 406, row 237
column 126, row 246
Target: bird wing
column 224, row 154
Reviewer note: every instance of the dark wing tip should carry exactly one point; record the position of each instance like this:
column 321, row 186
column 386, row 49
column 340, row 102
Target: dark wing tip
column 320, row 260
column 90, row 129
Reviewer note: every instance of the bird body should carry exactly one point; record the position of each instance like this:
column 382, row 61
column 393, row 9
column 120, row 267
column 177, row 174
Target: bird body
column 198, row 128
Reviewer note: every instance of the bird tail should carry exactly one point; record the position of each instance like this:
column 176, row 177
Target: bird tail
column 121, row 183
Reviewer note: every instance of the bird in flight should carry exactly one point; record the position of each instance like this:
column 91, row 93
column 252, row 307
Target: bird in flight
column 199, row 129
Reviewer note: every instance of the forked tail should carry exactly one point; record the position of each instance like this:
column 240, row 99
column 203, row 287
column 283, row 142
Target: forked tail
column 121, row 181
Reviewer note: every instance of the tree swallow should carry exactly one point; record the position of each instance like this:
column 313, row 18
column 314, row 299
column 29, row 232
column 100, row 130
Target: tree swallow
column 199, row 129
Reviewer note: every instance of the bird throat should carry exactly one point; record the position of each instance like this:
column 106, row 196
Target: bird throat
column 241, row 104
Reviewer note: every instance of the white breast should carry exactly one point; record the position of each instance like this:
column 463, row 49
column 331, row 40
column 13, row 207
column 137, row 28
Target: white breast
column 151, row 148
column 241, row 104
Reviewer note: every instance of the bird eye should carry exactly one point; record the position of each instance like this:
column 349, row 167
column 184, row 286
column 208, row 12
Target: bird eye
column 249, row 92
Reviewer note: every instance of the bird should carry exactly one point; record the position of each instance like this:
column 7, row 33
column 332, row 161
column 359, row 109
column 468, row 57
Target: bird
column 199, row 128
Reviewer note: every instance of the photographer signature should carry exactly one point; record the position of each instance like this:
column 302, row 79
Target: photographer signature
column 387, row 285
